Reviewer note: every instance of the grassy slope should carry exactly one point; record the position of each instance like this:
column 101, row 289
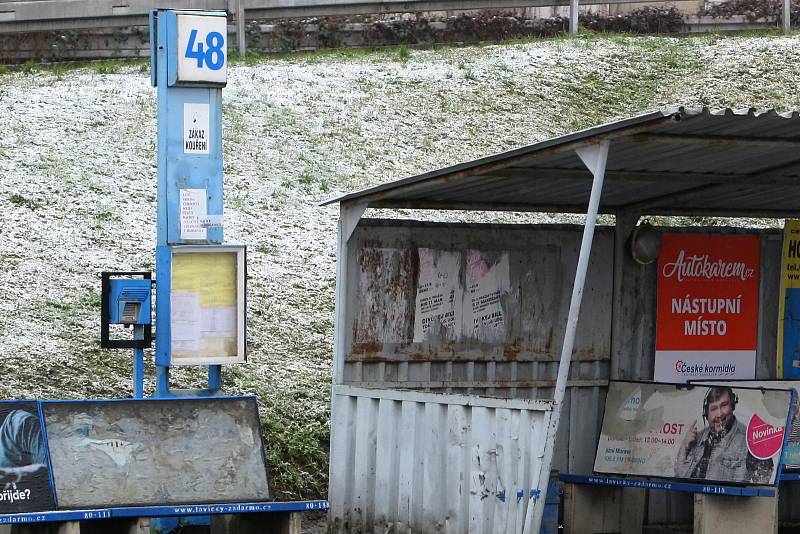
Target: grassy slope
column 77, row 187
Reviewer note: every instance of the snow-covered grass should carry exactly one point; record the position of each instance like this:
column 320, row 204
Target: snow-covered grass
column 78, row 188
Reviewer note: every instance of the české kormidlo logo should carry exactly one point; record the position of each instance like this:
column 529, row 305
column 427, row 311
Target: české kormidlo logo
column 723, row 369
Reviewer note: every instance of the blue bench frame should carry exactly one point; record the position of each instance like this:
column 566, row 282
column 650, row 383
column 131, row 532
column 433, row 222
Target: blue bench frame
column 163, row 511
column 687, row 487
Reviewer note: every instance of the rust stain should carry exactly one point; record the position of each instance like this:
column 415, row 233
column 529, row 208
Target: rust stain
column 548, row 344
column 512, row 352
column 369, row 348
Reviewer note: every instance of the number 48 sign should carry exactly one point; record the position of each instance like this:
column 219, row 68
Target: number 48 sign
column 202, row 49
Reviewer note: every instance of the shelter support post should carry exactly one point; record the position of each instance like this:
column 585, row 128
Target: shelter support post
column 600, row 509
column 349, row 215
column 621, row 338
column 728, row 513
column 594, row 157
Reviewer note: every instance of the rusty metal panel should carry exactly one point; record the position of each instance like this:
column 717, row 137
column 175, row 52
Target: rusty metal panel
column 405, row 461
column 522, row 364
column 516, row 359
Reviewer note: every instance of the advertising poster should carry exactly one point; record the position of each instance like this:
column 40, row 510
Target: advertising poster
column 151, row 452
column 789, row 304
column 707, row 323
column 24, row 475
column 791, row 451
column 439, row 294
column 704, row 433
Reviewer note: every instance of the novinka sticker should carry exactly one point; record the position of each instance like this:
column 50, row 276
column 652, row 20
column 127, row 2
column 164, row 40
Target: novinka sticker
column 763, row 439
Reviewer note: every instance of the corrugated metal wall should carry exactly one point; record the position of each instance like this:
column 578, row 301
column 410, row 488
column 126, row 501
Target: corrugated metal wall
column 405, row 461
column 382, row 282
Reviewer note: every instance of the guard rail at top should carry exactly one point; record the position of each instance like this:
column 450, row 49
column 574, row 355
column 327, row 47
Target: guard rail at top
column 57, row 15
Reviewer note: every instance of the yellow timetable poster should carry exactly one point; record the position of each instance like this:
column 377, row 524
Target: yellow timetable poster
column 204, row 315
column 789, row 303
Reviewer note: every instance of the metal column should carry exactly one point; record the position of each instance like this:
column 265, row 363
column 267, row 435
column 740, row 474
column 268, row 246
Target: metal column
column 594, row 157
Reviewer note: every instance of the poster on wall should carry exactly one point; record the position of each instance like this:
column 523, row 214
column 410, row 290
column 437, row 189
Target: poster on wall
column 789, row 304
column 488, row 280
column 703, row 433
column 439, row 295
column 791, row 450
column 707, row 313
column 24, row 474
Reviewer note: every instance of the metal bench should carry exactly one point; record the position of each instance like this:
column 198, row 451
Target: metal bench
column 226, row 518
column 605, row 504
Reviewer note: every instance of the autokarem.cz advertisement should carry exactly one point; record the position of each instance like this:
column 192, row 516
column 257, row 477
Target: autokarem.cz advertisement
column 707, row 323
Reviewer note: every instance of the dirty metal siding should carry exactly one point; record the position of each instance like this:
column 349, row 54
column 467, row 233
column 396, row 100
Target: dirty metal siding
column 381, row 354
column 544, row 261
column 404, row 461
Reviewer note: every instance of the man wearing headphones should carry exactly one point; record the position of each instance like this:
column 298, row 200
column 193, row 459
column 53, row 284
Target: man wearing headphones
column 719, row 451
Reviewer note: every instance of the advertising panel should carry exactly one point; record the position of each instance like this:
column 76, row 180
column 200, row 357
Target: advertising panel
column 24, row 475
column 155, row 452
column 439, row 294
column 791, row 451
column 707, row 324
column 715, row 433
column 789, row 304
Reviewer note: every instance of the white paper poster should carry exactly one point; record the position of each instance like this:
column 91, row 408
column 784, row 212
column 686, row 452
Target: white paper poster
column 186, row 322
column 196, row 131
column 193, row 208
column 219, row 321
column 439, row 294
column 487, row 282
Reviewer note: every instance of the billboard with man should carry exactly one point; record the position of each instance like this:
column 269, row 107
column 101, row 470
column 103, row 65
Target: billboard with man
column 711, row 433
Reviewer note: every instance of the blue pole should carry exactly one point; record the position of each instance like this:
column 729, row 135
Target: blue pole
column 138, row 365
column 162, row 382
column 138, row 373
column 189, row 68
column 214, row 377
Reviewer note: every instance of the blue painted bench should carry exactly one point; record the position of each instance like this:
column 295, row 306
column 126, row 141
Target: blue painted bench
column 282, row 516
column 601, row 503
column 686, row 487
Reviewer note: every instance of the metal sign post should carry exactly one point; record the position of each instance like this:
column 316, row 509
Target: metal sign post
column 199, row 282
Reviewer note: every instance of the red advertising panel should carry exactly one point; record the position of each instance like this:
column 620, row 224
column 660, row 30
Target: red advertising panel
column 707, row 324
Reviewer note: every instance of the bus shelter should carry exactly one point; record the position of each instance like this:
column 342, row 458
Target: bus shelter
column 472, row 360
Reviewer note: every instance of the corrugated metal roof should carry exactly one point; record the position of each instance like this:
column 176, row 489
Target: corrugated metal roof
column 675, row 161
